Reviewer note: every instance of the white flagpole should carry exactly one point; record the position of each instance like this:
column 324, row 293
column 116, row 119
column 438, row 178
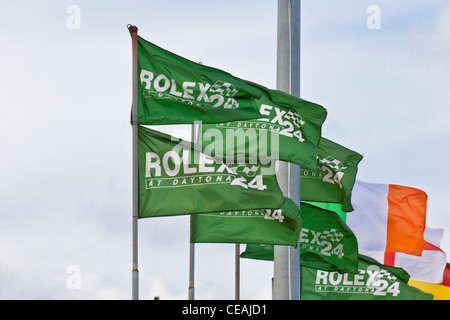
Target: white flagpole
column 134, row 125
column 286, row 285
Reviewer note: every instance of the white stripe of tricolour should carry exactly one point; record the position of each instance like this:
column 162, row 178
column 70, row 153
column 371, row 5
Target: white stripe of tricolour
column 369, row 219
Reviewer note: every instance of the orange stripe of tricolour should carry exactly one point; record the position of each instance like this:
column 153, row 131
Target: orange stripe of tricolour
column 406, row 220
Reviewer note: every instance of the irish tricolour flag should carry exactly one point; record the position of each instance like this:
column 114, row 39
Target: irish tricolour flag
column 387, row 218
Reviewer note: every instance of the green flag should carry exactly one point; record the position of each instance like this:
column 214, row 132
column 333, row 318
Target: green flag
column 176, row 177
column 372, row 281
column 174, row 90
column 334, row 180
column 258, row 252
column 288, row 129
column 325, row 242
column 330, row 206
column 281, row 226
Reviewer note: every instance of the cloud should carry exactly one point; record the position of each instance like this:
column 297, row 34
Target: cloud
column 436, row 40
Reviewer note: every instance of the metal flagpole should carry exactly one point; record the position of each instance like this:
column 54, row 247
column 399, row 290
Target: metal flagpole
column 286, row 285
column 237, row 278
column 134, row 125
column 191, row 289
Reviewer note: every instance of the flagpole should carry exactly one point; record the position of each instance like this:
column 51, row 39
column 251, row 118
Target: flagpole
column 286, row 284
column 134, row 125
column 191, row 289
column 237, row 278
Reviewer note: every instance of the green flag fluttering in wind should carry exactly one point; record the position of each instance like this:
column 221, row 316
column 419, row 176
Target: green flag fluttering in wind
column 335, row 178
column 175, row 90
column 372, row 281
column 325, row 242
column 288, row 129
column 258, row 252
column 280, row 226
column 325, row 239
column 176, row 177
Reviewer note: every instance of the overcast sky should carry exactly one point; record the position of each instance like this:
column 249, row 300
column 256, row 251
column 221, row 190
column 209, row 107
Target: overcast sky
column 65, row 137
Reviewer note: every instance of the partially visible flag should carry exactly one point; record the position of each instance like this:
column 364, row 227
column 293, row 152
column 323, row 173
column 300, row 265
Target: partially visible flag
column 440, row 291
column 333, row 181
column 325, row 242
column 325, row 235
column 280, row 226
column 175, row 90
column 330, row 206
column 372, row 281
column 446, row 281
column 176, row 177
column 258, row 252
column 387, row 218
column 430, row 266
column 288, row 128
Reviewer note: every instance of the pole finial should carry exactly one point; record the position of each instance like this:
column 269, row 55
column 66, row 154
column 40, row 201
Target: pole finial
column 132, row 28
